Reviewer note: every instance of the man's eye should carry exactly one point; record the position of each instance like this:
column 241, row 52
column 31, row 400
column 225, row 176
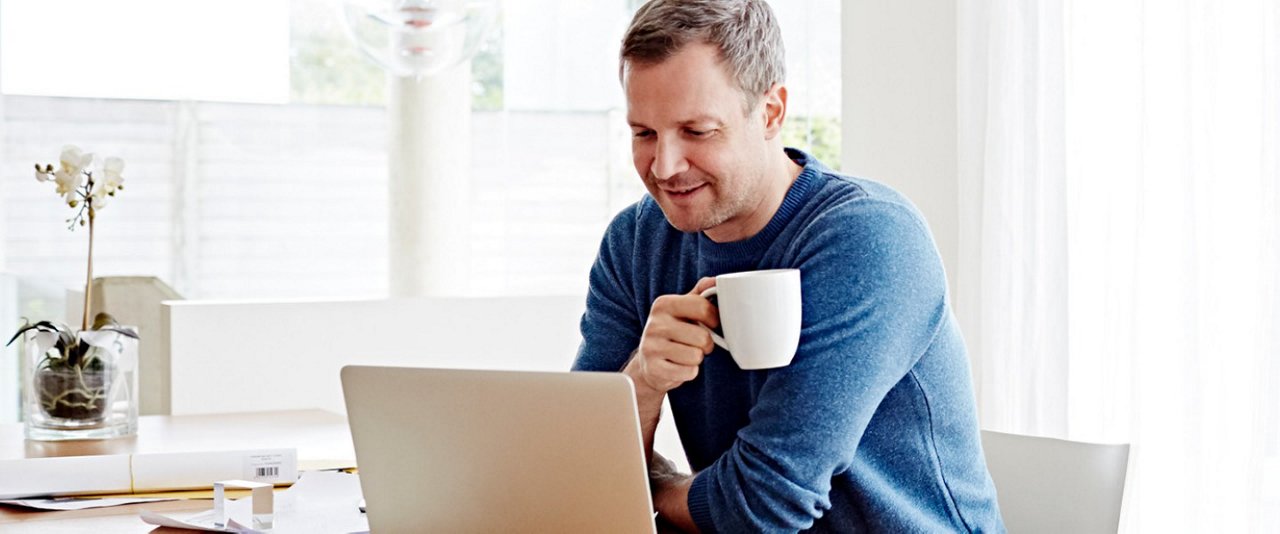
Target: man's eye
column 698, row 133
column 643, row 134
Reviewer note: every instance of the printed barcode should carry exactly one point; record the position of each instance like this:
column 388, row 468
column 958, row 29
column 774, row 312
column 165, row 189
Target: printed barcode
column 268, row 471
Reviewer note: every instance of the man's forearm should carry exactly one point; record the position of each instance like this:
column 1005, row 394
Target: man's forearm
column 649, row 406
column 671, row 500
column 670, row 488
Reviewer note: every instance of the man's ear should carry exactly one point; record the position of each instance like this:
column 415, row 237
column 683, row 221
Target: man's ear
column 775, row 110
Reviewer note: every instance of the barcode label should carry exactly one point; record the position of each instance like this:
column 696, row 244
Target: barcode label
column 277, row 465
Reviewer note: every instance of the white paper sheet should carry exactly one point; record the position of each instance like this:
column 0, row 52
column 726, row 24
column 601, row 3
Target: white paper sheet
column 40, row 477
column 195, row 470
column 75, row 503
column 122, row 473
column 202, row 521
column 319, row 502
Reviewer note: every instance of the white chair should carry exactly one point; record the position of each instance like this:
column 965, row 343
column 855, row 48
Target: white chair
column 135, row 301
column 1050, row 485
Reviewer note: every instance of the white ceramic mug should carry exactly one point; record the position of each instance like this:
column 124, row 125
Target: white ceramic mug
column 760, row 316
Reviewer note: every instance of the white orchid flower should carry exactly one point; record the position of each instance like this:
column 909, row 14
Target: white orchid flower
column 110, row 181
column 103, row 339
column 68, row 183
column 71, row 172
column 73, row 159
column 45, row 340
column 100, row 198
column 111, row 178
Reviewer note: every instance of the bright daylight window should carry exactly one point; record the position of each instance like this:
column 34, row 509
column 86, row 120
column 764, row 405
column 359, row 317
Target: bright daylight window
column 255, row 138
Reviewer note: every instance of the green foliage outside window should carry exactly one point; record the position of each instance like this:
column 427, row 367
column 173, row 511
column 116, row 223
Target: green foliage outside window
column 326, row 66
column 329, row 70
column 486, row 74
column 819, row 136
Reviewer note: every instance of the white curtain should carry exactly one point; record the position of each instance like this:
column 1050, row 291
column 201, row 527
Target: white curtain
column 1120, row 229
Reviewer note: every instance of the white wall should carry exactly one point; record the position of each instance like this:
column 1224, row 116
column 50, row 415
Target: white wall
column 898, row 67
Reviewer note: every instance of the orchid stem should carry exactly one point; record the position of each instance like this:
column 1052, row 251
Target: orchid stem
column 88, row 282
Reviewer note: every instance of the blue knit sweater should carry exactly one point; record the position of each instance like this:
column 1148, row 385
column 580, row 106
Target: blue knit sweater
column 872, row 426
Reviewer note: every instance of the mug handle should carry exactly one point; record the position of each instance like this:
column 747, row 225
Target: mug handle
column 711, row 292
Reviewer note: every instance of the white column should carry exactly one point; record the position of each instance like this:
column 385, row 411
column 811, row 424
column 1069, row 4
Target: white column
column 429, row 161
column 898, row 69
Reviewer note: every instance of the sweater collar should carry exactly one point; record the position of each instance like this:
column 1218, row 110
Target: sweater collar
column 752, row 247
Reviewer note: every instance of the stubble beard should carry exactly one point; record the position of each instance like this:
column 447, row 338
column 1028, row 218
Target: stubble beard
column 719, row 212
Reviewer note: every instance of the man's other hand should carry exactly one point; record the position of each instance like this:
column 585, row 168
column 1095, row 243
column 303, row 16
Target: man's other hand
column 675, row 340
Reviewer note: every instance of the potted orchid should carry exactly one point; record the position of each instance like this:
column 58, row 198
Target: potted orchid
column 80, row 383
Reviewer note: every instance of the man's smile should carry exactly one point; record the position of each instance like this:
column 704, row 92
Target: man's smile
column 683, row 192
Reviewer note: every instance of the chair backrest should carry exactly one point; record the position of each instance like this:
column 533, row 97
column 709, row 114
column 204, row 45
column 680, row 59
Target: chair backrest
column 1048, row 485
column 135, row 301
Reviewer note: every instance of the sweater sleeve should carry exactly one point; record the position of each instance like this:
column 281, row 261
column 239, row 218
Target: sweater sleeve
column 611, row 325
column 873, row 291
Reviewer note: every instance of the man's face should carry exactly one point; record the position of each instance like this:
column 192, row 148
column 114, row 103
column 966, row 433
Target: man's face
column 701, row 157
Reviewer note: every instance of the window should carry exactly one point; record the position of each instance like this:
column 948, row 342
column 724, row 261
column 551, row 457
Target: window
column 255, row 137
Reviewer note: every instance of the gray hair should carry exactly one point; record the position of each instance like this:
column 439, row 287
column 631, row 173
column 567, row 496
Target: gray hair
column 745, row 31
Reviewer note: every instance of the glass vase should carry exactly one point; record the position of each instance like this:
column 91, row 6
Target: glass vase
column 93, row 396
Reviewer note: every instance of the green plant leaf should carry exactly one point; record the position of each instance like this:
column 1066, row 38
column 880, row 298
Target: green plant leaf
column 124, row 331
column 47, row 326
column 102, row 320
column 25, row 327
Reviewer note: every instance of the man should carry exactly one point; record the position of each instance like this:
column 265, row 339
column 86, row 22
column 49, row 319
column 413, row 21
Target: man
column 872, row 426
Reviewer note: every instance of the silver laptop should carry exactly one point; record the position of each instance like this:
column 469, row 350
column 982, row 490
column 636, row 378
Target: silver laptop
column 443, row 450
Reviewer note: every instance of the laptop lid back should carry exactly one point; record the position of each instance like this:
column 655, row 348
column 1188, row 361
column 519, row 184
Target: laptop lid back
column 447, row 450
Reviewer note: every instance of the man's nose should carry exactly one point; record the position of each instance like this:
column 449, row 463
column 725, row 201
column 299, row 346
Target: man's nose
column 668, row 159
